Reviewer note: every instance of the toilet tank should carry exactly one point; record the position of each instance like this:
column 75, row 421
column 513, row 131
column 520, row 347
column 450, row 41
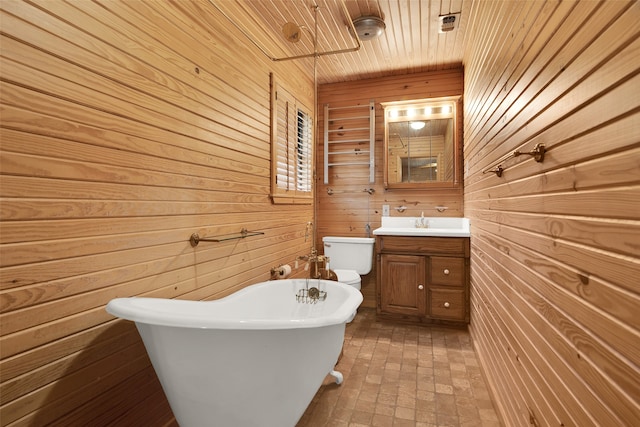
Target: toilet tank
column 349, row 253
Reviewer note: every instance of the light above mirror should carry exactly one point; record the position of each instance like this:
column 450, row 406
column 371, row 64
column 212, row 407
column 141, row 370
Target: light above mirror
column 411, row 112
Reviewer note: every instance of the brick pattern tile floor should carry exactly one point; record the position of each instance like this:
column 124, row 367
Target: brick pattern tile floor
column 398, row 375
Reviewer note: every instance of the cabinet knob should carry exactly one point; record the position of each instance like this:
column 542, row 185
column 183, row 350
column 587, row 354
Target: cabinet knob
column 421, row 287
column 447, row 305
column 446, row 271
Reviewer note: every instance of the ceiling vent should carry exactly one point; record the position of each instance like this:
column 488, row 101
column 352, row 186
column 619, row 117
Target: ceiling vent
column 448, row 22
column 369, row 27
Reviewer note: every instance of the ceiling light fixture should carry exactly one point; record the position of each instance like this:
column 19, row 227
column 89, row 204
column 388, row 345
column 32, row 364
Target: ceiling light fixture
column 369, row 27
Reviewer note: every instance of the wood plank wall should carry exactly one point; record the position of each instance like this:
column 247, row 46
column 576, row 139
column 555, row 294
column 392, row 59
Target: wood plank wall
column 126, row 127
column 349, row 210
column 555, row 245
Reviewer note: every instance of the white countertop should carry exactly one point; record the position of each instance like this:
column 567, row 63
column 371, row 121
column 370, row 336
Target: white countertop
column 436, row 227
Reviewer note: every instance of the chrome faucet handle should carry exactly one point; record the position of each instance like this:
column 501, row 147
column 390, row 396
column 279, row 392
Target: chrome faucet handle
column 422, row 222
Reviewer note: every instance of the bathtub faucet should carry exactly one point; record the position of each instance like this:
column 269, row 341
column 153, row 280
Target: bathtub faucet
column 317, row 265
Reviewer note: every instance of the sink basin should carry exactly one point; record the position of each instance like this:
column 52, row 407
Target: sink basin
column 438, row 227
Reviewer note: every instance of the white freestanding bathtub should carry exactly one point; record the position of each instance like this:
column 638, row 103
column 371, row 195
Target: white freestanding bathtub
column 254, row 358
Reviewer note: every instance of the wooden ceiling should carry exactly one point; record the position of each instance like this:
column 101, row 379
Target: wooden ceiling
column 410, row 43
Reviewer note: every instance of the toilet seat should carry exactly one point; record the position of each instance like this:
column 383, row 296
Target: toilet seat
column 349, row 277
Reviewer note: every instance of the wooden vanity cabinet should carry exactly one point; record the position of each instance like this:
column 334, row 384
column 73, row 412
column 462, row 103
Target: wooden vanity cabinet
column 423, row 279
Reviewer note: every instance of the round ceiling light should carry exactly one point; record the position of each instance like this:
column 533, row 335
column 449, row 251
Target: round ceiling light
column 369, row 27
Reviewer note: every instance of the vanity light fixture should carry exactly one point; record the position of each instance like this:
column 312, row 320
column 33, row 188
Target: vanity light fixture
column 409, row 112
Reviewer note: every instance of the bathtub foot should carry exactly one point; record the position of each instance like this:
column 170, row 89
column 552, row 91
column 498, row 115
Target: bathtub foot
column 337, row 375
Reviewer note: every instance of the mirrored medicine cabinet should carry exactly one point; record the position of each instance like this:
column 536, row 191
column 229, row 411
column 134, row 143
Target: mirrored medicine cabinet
column 421, row 144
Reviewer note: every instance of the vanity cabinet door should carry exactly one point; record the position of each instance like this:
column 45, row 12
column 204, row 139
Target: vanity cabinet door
column 402, row 284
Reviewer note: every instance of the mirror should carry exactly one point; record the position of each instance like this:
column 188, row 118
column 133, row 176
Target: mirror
column 421, row 144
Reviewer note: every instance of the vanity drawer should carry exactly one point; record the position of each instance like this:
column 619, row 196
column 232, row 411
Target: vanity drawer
column 447, row 271
column 447, row 304
column 423, row 245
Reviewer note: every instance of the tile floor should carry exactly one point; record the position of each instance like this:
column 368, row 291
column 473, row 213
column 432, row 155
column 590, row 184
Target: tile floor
column 398, row 375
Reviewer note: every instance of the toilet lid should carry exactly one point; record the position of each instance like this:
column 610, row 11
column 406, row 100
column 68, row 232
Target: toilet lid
column 349, row 277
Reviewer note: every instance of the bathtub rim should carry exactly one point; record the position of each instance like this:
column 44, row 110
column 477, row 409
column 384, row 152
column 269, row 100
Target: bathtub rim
column 139, row 309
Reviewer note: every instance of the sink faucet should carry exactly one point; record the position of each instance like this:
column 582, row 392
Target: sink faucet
column 422, row 222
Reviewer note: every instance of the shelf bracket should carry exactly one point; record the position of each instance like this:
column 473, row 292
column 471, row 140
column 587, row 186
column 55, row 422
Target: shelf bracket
column 498, row 170
column 537, row 153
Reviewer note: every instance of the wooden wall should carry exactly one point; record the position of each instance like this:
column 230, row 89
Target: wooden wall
column 126, row 127
column 555, row 245
column 349, row 210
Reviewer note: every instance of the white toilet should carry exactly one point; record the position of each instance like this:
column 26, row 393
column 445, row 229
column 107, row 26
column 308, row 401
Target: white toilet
column 349, row 257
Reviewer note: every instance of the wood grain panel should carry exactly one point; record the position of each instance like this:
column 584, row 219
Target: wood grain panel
column 554, row 245
column 409, row 44
column 125, row 128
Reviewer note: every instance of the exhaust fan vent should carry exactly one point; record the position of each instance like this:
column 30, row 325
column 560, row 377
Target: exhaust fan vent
column 448, row 22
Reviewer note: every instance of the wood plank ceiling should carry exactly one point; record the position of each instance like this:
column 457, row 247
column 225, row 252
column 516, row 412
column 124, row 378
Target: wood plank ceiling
column 410, row 43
